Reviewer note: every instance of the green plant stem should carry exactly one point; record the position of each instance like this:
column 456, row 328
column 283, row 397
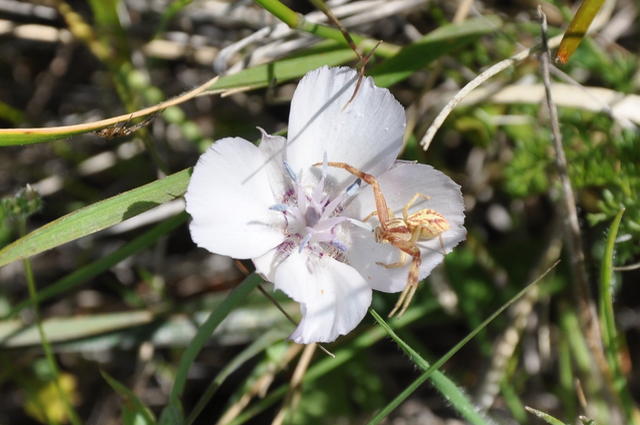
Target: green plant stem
column 298, row 22
column 46, row 347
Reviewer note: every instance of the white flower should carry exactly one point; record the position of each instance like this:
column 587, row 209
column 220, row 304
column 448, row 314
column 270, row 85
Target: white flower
column 300, row 224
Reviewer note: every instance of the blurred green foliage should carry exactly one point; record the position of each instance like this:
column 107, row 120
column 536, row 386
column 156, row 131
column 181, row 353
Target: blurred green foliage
column 603, row 165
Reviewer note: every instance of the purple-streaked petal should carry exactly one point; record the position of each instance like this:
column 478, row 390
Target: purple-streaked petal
column 229, row 198
column 367, row 134
column 333, row 296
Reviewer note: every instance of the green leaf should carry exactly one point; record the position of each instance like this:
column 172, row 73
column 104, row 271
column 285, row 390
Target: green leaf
column 610, row 338
column 134, row 412
column 205, row 331
column 96, row 217
column 171, row 415
column 330, row 53
column 262, row 343
column 418, row 55
column 578, row 29
column 448, row 389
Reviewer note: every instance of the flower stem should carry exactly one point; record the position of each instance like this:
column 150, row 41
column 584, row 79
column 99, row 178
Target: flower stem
column 46, row 347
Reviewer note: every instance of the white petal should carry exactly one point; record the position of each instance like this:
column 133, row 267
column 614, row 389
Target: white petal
column 399, row 185
column 273, row 149
column 333, row 296
column 367, row 134
column 365, row 252
column 229, row 198
column 267, row 264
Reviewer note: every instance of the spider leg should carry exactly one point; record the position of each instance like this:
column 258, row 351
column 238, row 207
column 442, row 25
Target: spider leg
column 442, row 245
column 373, row 214
column 403, row 258
column 410, row 248
column 412, row 284
column 381, row 204
column 148, row 120
column 405, row 210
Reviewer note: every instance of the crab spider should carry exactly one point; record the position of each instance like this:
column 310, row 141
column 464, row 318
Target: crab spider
column 403, row 233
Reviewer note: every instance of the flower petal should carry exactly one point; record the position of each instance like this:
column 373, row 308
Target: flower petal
column 365, row 252
column 273, row 148
column 399, row 185
column 367, row 134
column 229, row 198
column 333, row 296
column 267, row 264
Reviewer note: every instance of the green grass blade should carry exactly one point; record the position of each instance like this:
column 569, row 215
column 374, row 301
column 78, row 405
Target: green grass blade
column 43, row 340
column 91, row 270
column 328, row 53
column 133, row 408
column 578, row 29
column 343, row 355
column 430, row 369
column 544, row 416
column 258, row 346
column 447, row 388
column 298, row 22
column 96, row 217
column 610, row 337
column 437, row 43
column 205, row 331
column 607, row 320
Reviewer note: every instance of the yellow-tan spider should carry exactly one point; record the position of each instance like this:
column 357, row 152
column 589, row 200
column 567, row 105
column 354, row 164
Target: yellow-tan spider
column 403, row 233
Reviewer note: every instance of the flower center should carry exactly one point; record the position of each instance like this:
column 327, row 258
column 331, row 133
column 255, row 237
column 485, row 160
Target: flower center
column 313, row 217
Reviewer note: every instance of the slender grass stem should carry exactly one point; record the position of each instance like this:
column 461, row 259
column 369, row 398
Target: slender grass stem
column 46, row 347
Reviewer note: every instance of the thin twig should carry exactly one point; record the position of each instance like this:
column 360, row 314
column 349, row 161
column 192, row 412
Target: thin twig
column 473, row 84
column 575, row 238
column 576, row 253
column 627, row 268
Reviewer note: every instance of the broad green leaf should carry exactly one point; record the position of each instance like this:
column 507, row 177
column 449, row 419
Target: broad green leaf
column 133, row 411
column 578, row 29
column 437, row 43
column 96, row 217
